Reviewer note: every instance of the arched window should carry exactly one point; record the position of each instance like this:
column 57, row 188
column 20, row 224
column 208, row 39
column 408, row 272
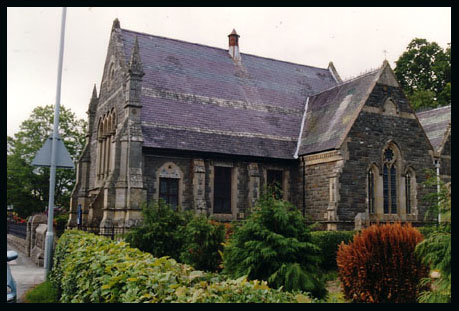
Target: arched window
column 105, row 133
column 410, row 191
column 371, row 191
column 389, row 181
column 170, row 181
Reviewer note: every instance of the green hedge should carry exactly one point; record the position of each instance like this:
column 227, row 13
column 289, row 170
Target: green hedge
column 90, row 268
column 328, row 241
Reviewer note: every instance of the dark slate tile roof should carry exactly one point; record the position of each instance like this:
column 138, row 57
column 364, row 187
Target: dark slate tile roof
column 435, row 123
column 331, row 112
column 195, row 97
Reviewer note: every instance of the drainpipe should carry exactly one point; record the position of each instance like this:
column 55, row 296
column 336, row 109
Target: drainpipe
column 437, row 167
column 304, row 188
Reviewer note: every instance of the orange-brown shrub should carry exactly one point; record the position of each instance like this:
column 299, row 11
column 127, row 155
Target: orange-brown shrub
column 380, row 266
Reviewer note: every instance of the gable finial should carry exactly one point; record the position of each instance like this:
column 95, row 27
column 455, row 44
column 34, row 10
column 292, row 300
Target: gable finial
column 135, row 63
column 94, row 92
column 116, row 24
column 93, row 101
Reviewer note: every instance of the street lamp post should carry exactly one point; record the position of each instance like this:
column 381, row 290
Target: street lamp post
column 52, row 178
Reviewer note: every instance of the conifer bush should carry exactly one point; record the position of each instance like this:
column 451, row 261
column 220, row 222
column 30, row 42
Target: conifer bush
column 162, row 232
column 203, row 242
column 380, row 265
column 274, row 244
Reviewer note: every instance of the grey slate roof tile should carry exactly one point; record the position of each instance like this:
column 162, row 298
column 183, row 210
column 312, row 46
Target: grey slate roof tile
column 187, row 68
column 435, row 123
column 331, row 112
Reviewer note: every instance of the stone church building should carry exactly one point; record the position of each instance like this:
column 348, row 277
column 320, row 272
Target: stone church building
column 208, row 129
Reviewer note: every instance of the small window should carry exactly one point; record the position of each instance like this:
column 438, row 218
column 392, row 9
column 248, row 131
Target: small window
column 168, row 191
column 111, row 74
column 274, row 181
column 222, row 190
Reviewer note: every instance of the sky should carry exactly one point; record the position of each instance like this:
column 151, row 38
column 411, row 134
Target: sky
column 355, row 39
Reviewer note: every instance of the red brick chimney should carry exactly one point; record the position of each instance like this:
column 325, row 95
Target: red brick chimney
column 234, row 45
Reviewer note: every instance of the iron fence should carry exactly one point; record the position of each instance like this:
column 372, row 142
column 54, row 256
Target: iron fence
column 17, row 229
column 112, row 232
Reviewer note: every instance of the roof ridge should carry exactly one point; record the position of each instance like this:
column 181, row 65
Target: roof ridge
column 221, row 49
column 347, row 81
column 441, row 107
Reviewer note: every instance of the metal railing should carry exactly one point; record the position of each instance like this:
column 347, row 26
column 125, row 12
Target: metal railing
column 19, row 230
column 112, row 232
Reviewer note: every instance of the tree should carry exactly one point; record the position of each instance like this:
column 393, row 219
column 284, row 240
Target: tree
column 274, row 244
column 28, row 186
column 424, row 72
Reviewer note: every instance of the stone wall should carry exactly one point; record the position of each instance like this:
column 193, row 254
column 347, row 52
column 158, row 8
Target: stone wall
column 17, row 242
column 371, row 132
column 34, row 244
column 196, row 180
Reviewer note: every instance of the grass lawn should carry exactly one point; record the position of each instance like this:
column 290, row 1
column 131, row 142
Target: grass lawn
column 42, row 293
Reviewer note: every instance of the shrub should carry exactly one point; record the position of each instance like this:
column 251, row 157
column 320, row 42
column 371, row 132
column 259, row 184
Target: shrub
column 435, row 250
column 203, row 241
column 90, row 268
column 426, row 230
column 328, row 242
column 274, row 244
column 380, row 265
column 162, row 232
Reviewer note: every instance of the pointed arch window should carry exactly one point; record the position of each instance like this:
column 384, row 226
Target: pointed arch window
column 105, row 133
column 389, row 181
column 408, row 192
column 111, row 74
column 371, row 191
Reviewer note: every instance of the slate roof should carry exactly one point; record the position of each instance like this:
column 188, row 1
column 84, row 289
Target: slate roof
column 435, row 123
column 331, row 112
column 195, row 97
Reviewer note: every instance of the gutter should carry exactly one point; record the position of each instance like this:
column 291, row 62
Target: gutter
column 302, row 159
column 301, row 129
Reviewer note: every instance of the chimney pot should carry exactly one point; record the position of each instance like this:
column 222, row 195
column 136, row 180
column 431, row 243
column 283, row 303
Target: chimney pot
column 234, row 45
